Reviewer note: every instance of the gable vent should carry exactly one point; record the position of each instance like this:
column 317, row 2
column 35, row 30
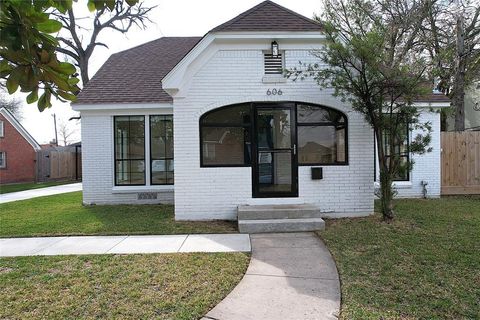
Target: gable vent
column 273, row 65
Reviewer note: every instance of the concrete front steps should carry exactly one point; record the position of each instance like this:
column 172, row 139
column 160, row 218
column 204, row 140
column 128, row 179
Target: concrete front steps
column 279, row 218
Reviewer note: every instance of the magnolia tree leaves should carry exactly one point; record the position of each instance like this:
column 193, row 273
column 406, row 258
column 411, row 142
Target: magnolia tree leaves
column 28, row 56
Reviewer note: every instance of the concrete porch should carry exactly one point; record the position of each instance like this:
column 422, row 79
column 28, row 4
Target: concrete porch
column 279, row 218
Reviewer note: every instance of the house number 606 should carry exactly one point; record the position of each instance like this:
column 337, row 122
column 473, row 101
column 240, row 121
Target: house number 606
column 274, row 92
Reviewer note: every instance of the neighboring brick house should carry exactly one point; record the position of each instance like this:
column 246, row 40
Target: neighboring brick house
column 238, row 131
column 17, row 151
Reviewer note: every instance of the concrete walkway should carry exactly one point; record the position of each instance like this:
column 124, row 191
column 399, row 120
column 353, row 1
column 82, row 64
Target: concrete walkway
column 291, row 276
column 41, row 192
column 10, row 247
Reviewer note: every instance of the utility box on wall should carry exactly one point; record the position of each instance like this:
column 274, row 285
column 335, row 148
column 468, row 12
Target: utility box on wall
column 317, row 173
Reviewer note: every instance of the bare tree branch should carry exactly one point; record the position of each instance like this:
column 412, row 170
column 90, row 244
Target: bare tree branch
column 121, row 19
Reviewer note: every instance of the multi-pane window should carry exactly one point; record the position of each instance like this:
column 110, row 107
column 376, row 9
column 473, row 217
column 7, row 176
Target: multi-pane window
column 3, row 160
column 322, row 134
column 400, row 150
column 161, row 149
column 129, row 137
column 225, row 136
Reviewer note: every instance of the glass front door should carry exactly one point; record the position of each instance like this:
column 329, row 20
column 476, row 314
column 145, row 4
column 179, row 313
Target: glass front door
column 275, row 161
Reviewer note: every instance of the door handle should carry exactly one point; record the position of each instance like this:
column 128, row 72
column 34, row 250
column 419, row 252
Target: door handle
column 294, row 149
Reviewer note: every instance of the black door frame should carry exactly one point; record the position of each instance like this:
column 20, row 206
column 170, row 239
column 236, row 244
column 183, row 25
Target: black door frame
column 293, row 150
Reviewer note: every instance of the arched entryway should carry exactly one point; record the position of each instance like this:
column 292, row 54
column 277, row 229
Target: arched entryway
column 274, row 138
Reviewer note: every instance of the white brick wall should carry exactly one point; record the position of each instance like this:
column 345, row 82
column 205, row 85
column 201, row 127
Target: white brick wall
column 426, row 167
column 234, row 76
column 214, row 193
column 98, row 162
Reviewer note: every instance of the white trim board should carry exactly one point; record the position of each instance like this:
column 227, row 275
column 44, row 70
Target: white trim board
column 10, row 118
column 174, row 79
column 120, row 106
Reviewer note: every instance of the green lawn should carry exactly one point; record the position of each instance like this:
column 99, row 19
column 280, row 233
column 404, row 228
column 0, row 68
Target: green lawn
column 424, row 265
column 7, row 188
column 64, row 215
column 160, row 286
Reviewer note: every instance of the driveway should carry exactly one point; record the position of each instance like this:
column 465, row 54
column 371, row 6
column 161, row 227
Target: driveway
column 41, row 192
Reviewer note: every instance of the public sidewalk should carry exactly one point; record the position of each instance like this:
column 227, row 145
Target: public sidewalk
column 290, row 276
column 43, row 246
column 41, row 192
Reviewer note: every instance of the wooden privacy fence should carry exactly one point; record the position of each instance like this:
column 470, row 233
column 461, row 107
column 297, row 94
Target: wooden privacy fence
column 59, row 164
column 460, row 162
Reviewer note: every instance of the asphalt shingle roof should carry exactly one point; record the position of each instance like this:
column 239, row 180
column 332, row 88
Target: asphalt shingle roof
column 269, row 16
column 135, row 75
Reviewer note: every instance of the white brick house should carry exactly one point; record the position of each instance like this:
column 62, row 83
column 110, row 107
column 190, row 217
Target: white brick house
column 242, row 133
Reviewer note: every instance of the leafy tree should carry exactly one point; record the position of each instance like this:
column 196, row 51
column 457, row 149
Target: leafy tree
column 28, row 51
column 372, row 62
column 451, row 34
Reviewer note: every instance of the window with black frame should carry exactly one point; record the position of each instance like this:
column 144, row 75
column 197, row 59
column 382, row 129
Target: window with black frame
column 129, row 135
column 161, row 149
column 225, row 136
column 321, row 135
column 401, row 150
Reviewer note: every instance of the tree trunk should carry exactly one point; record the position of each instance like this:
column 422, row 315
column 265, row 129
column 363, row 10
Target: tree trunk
column 458, row 94
column 83, row 65
column 386, row 190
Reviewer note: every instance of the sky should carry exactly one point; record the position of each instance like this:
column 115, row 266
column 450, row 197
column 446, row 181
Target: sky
column 170, row 18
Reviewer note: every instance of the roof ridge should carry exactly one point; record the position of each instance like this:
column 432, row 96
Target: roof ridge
column 246, row 13
column 295, row 13
column 154, row 40
column 241, row 15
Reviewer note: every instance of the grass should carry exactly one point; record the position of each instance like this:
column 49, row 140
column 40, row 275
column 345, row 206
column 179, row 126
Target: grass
column 424, row 265
column 64, row 214
column 15, row 187
column 160, row 286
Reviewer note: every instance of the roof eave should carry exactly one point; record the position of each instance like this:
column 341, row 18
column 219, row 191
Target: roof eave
column 82, row 107
column 11, row 118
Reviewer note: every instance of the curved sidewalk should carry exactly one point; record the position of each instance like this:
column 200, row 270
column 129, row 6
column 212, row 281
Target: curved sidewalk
column 40, row 192
column 290, row 276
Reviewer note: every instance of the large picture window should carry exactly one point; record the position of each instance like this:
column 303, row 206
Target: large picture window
column 161, row 149
column 322, row 134
column 225, row 136
column 129, row 135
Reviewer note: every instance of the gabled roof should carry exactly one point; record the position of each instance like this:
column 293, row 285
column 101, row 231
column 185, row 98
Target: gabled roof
column 10, row 118
column 135, row 75
column 269, row 16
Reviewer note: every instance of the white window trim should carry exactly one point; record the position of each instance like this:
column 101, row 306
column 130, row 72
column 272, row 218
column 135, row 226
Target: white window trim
column 149, row 188
column 4, row 156
column 2, row 129
column 396, row 184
